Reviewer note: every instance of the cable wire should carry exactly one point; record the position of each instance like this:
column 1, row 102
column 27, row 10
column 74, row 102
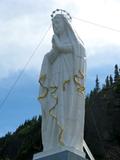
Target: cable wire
column 23, row 70
column 96, row 24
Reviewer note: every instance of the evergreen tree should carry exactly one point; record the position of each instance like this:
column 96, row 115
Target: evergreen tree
column 116, row 73
column 119, row 73
column 111, row 80
column 103, row 86
column 97, row 86
column 107, row 82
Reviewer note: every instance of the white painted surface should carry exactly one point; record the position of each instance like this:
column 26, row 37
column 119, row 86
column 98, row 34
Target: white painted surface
column 63, row 109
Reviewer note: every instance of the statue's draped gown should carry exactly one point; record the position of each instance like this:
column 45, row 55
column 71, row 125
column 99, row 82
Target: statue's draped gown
column 62, row 97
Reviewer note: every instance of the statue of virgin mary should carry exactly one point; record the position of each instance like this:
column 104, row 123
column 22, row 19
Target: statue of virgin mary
column 62, row 89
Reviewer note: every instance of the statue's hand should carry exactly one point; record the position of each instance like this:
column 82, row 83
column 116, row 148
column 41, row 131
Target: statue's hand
column 59, row 47
column 56, row 42
column 53, row 43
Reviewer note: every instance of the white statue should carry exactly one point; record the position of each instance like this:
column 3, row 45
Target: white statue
column 62, row 91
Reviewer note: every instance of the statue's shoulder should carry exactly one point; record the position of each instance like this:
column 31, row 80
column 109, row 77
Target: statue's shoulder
column 83, row 51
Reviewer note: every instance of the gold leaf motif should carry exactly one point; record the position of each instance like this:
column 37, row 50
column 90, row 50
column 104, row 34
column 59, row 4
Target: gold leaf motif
column 81, row 75
column 45, row 89
column 44, row 94
column 77, row 79
column 53, row 90
column 43, row 77
column 64, row 84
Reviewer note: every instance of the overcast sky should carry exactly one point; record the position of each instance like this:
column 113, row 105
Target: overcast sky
column 22, row 25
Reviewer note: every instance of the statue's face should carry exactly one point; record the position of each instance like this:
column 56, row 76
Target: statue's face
column 58, row 25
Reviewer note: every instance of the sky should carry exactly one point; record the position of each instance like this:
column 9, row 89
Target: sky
column 24, row 23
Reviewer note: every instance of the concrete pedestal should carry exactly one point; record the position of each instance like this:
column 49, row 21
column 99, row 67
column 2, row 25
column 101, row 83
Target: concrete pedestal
column 64, row 154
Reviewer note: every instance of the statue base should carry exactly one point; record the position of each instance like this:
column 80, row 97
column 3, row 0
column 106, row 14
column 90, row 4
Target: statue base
column 60, row 154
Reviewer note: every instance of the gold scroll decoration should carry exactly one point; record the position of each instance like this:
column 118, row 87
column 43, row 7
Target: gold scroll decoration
column 64, row 84
column 77, row 78
column 53, row 90
column 45, row 89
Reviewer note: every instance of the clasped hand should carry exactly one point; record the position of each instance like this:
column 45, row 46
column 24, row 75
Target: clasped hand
column 56, row 44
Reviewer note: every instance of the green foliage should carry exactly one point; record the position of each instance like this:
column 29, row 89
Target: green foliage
column 97, row 87
column 116, row 73
column 111, row 80
column 103, row 117
column 23, row 143
column 107, row 82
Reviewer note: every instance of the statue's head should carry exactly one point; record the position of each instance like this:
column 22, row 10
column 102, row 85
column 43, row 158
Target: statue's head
column 58, row 23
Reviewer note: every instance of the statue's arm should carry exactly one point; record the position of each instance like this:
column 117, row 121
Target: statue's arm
column 66, row 48
column 52, row 56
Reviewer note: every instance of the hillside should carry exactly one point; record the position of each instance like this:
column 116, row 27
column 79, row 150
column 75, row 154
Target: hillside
column 23, row 142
